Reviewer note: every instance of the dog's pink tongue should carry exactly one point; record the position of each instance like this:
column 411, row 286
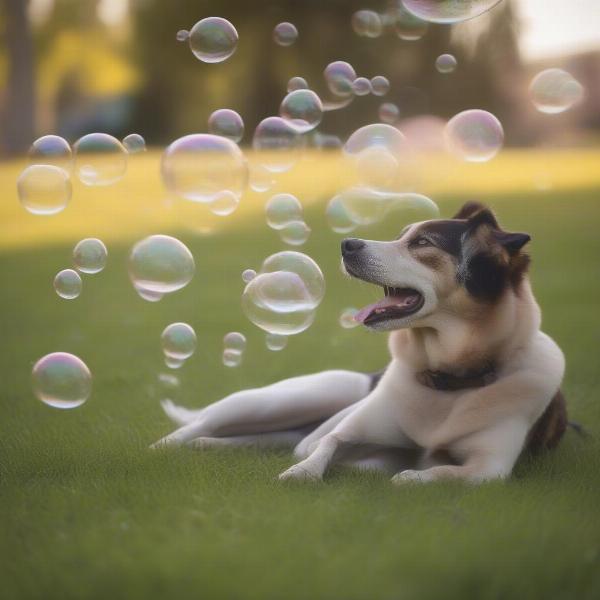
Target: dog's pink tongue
column 400, row 301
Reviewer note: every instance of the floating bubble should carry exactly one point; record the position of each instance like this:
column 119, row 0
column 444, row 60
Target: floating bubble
column 278, row 143
column 52, row 150
column 178, row 341
column 67, row 284
column 168, row 380
column 325, row 141
column 346, row 319
column 445, row 63
column 474, row 135
column 234, row 345
column 282, row 209
column 260, row 178
column 201, row 166
column 61, row 380
column 148, row 295
column 295, row 233
column 285, row 34
column 224, row 204
column 100, row 159
column 367, row 23
column 174, row 363
column 361, row 86
column 182, row 35
column 338, row 217
column 248, row 275
column 89, row 255
column 226, row 123
column 409, row 27
column 160, row 264
column 448, row 11
column 302, row 109
column 380, row 85
column 297, row 83
column 389, row 113
column 232, row 358
column 276, row 342
column 339, row 76
column 376, row 135
column 44, row 189
column 213, row 40
column 134, row 143
column 554, row 91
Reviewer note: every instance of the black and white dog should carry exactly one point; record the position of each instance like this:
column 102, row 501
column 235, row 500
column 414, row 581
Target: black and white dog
column 471, row 384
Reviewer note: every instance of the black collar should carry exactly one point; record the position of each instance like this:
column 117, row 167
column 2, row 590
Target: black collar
column 449, row 382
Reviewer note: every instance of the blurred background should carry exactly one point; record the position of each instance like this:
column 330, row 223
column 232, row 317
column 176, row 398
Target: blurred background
column 71, row 67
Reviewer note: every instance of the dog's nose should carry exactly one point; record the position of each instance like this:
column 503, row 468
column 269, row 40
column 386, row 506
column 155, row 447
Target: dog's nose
column 351, row 245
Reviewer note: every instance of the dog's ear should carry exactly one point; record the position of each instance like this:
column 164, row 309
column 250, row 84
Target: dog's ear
column 513, row 242
column 468, row 210
column 482, row 217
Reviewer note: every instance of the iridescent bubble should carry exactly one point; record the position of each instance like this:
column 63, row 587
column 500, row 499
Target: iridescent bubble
column 380, row 85
column 232, row 359
column 285, row 34
column 474, row 135
column 44, row 189
column 367, row 23
column 295, row 233
column 282, row 209
column 260, row 178
column 52, row 150
column 134, row 143
column 201, row 166
column 182, row 35
column 178, row 341
column 67, row 284
column 100, row 159
column 445, row 63
column 338, row 217
column 408, row 27
column 227, row 123
column 339, row 76
column 389, row 113
column 160, row 264
column 554, row 91
column 302, row 109
column 224, row 204
column 297, row 83
column 361, row 86
column 234, row 345
column 278, row 143
column 61, row 380
column 346, row 319
column 174, row 363
column 89, row 255
column 248, row 275
column 276, row 342
column 213, row 40
column 448, row 11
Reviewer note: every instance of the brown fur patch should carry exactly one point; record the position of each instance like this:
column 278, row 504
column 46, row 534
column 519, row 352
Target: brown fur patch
column 550, row 427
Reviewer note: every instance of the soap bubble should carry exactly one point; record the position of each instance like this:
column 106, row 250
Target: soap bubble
column 338, row 217
column 134, row 143
column 213, row 40
column 260, row 178
column 227, row 123
column 160, row 264
column 232, row 358
column 346, row 319
column 148, row 295
column 52, row 150
column 380, row 85
column 67, row 284
column 389, row 113
column 275, row 341
column 448, row 11
column 182, row 35
column 553, row 91
column 278, row 143
column 44, row 189
column 445, row 63
column 361, row 86
column 474, row 135
column 61, row 380
column 100, row 159
column 282, row 209
column 224, row 204
column 297, row 83
column 295, row 233
column 367, row 23
column 339, row 76
column 234, row 345
column 174, row 363
column 285, row 34
column 326, row 141
column 409, row 27
column 201, row 166
column 178, row 341
column 248, row 275
column 302, row 109
column 89, row 255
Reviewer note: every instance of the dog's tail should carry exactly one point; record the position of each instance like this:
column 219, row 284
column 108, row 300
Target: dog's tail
column 178, row 414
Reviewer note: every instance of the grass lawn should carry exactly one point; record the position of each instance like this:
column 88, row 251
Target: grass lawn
column 87, row 511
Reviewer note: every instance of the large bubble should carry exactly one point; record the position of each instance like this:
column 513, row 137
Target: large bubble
column 285, row 34
column 302, row 109
column 89, row 255
column 213, row 40
column 226, row 123
column 100, row 159
column 474, row 135
column 553, row 91
column 448, row 11
column 278, row 143
column 201, row 166
column 367, row 23
column 178, row 341
column 61, row 380
column 44, row 189
column 67, row 284
column 160, row 264
column 52, row 150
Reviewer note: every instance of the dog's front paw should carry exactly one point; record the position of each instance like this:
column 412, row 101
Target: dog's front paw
column 298, row 473
column 408, row 476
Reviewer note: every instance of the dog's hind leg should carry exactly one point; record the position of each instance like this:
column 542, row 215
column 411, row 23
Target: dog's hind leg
column 287, row 404
column 179, row 414
column 270, row 439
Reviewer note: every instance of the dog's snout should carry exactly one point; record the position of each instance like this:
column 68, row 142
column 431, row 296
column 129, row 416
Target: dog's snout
column 352, row 245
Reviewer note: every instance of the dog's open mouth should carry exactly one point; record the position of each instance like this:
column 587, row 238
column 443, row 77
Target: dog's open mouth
column 398, row 303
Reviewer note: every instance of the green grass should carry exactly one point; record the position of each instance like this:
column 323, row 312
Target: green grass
column 87, row 511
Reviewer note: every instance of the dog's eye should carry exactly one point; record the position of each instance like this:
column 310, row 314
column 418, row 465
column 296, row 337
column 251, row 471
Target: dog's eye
column 421, row 241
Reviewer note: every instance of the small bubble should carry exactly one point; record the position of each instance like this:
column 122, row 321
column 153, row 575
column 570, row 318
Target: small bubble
column 285, row 34
column 178, row 341
column 346, row 319
column 380, row 85
column 226, row 123
column 276, row 342
column 89, row 255
column 67, row 284
column 445, row 63
column 361, row 86
column 44, row 189
column 297, row 83
column 100, row 159
column 134, row 143
column 248, row 275
column 182, row 35
column 367, row 23
column 389, row 113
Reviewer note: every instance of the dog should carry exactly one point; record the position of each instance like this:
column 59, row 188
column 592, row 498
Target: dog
column 472, row 381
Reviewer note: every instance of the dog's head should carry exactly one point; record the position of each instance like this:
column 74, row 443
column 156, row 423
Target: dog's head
column 459, row 265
